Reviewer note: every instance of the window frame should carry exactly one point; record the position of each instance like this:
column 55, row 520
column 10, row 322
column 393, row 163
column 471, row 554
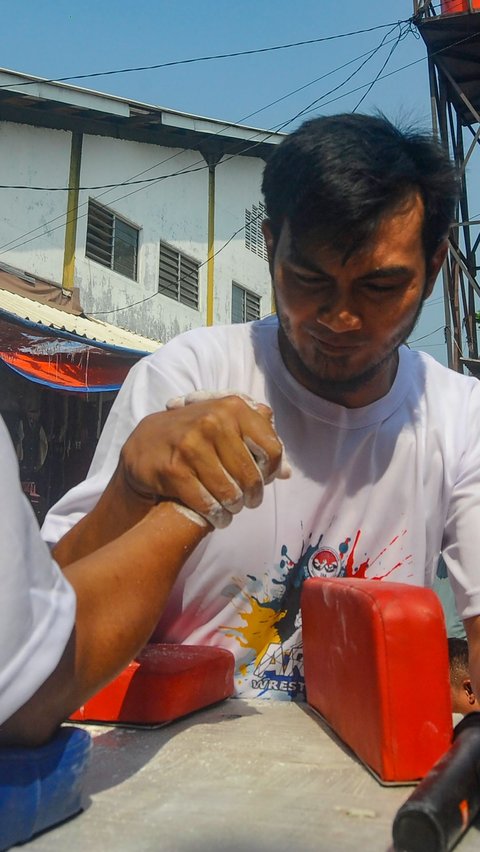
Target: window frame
column 255, row 299
column 105, row 240
column 254, row 239
column 177, row 287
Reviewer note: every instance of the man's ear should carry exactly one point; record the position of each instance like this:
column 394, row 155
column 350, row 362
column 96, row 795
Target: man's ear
column 269, row 242
column 435, row 265
column 467, row 687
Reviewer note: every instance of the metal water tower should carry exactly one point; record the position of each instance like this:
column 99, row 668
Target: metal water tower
column 451, row 32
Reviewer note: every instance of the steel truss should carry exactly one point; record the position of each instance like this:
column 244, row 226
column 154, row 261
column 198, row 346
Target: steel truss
column 453, row 45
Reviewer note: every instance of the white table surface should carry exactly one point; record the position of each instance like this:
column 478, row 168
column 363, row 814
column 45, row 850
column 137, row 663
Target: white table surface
column 256, row 776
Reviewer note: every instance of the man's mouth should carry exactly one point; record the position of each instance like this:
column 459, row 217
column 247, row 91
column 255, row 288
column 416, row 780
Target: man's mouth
column 335, row 345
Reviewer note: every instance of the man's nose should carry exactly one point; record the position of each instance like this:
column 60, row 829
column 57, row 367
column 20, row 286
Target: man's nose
column 339, row 317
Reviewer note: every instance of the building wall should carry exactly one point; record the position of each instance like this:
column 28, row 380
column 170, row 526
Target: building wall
column 32, row 223
column 238, row 187
column 174, row 209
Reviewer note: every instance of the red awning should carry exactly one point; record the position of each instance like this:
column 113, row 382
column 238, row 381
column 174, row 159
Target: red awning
column 62, row 360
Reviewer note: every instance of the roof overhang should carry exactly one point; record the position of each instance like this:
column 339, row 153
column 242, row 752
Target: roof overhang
column 33, row 100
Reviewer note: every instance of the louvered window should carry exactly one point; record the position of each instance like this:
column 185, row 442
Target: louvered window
column 253, row 230
column 245, row 305
column 111, row 241
column 178, row 276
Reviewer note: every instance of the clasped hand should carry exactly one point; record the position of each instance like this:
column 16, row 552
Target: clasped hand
column 212, row 452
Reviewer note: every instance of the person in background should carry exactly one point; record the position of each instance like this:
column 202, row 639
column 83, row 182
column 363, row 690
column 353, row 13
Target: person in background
column 463, row 698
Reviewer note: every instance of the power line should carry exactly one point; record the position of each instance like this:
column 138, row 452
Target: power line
column 277, row 128
column 402, row 68
column 431, row 333
column 315, row 103
column 131, row 182
column 370, row 54
column 316, row 80
column 204, row 58
column 101, row 186
column 17, row 244
column 430, row 304
column 401, row 35
column 239, row 230
column 304, row 111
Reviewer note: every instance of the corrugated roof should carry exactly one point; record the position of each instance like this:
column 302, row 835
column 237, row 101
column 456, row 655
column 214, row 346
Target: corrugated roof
column 27, row 310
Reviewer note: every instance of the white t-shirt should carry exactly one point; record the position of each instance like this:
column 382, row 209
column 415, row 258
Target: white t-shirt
column 376, row 492
column 37, row 605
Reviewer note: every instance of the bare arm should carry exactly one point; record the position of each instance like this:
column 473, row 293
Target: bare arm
column 121, row 591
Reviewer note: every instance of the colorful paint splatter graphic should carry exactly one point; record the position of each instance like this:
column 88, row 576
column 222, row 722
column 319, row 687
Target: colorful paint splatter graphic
column 270, row 617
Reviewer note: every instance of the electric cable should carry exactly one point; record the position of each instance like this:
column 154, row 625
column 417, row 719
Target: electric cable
column 16, row 244
column 316, row 102
column 289, row 121
column 131, row 182
column 401, row 35
column 430, row 334
column 277, row 128
column 204, row 58
column 239, row 230
column 402, row 68
column 307, row 109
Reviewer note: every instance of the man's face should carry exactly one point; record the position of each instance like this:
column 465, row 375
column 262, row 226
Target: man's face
column 341, row 323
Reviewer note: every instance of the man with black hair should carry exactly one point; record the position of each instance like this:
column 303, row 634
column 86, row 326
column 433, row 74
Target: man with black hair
column 385, row 471
column 463, row 698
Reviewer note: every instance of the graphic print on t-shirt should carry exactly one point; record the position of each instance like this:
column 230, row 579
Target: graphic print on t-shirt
column 270, row 632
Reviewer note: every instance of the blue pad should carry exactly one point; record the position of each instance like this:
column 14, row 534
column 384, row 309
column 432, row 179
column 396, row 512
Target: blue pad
column 40, row 787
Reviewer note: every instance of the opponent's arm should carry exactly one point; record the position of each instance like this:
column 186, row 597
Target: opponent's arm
column 121, row 591
column 213, row 456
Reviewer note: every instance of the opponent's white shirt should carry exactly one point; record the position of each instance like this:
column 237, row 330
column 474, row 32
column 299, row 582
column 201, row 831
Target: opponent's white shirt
column 376, row 492
column 37, row 604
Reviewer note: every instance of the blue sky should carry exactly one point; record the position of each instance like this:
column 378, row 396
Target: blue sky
column 55, row 39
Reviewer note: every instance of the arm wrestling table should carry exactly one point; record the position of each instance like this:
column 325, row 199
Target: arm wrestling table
column 242, row 776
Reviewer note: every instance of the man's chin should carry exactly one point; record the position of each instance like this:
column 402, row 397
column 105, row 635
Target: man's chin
column 344, row 378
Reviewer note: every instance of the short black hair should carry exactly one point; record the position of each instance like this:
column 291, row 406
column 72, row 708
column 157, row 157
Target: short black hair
column 336, row 176
column 458, row 658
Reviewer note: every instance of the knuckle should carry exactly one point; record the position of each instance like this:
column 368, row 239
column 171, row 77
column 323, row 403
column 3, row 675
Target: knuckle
column 275, row 455
column 228, row 492
column 173, row 470
column 233, row 403
column 251, row 476
column 210, row 422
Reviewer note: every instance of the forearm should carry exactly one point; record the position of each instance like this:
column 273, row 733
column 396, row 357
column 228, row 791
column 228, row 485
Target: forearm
column 118, row 509
column 121, row 592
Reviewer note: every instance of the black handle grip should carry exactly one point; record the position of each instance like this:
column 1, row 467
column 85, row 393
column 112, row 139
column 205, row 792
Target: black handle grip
column 443, row 805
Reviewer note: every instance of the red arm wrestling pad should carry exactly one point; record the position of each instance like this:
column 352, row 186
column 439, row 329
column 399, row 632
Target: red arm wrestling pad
column 377, row 670
column 163, row 683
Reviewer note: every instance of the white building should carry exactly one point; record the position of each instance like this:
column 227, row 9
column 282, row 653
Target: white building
column 174, row 243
